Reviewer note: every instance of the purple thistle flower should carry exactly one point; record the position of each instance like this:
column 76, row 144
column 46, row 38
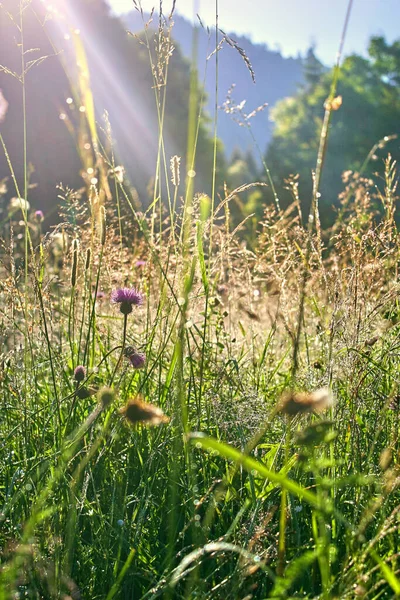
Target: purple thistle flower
column 39, row 216
column 137, row 359
column 126, row 298
column 80, row 373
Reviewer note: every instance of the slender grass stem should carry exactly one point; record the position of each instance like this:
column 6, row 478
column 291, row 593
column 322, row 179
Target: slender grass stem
column 121, row 356
column 92, row 318
column 283, row 509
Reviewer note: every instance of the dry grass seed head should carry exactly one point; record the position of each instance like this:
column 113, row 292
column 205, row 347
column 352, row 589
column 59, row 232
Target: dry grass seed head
column 137, row 411
column 295, row 403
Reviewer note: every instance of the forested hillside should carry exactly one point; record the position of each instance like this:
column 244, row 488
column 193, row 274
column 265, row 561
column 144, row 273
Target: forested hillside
column 364, row 125
column 275, row 78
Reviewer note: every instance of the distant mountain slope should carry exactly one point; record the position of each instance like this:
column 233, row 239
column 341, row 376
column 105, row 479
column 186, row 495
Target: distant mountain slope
column 276, row 78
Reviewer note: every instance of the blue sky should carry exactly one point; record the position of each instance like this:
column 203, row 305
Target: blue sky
column 293, row 25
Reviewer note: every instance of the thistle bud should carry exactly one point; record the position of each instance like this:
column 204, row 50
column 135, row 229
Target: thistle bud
column 80, row 373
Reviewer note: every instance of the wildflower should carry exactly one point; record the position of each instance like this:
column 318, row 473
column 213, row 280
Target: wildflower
column 39, row 216
column 80, row 373
column 3, row 107
column 126, row 298
column 137, row 411
column 294, row 403
column 137, row 359
column 140, row 263
column 106, row 397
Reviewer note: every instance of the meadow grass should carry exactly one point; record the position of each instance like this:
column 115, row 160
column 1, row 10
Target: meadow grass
column 230, row 429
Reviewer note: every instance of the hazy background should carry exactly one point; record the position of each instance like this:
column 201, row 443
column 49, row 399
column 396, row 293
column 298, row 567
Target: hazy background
column 293, row 25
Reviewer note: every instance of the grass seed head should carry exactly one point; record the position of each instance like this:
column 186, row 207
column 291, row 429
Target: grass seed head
column 385, row 459
column 88, row 257
column 103, row 225
column 175, row 170
column 74, row 271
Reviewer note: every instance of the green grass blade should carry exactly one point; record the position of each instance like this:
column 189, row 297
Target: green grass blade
column 250, row 464
column 387, row 573
column 111, row 594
